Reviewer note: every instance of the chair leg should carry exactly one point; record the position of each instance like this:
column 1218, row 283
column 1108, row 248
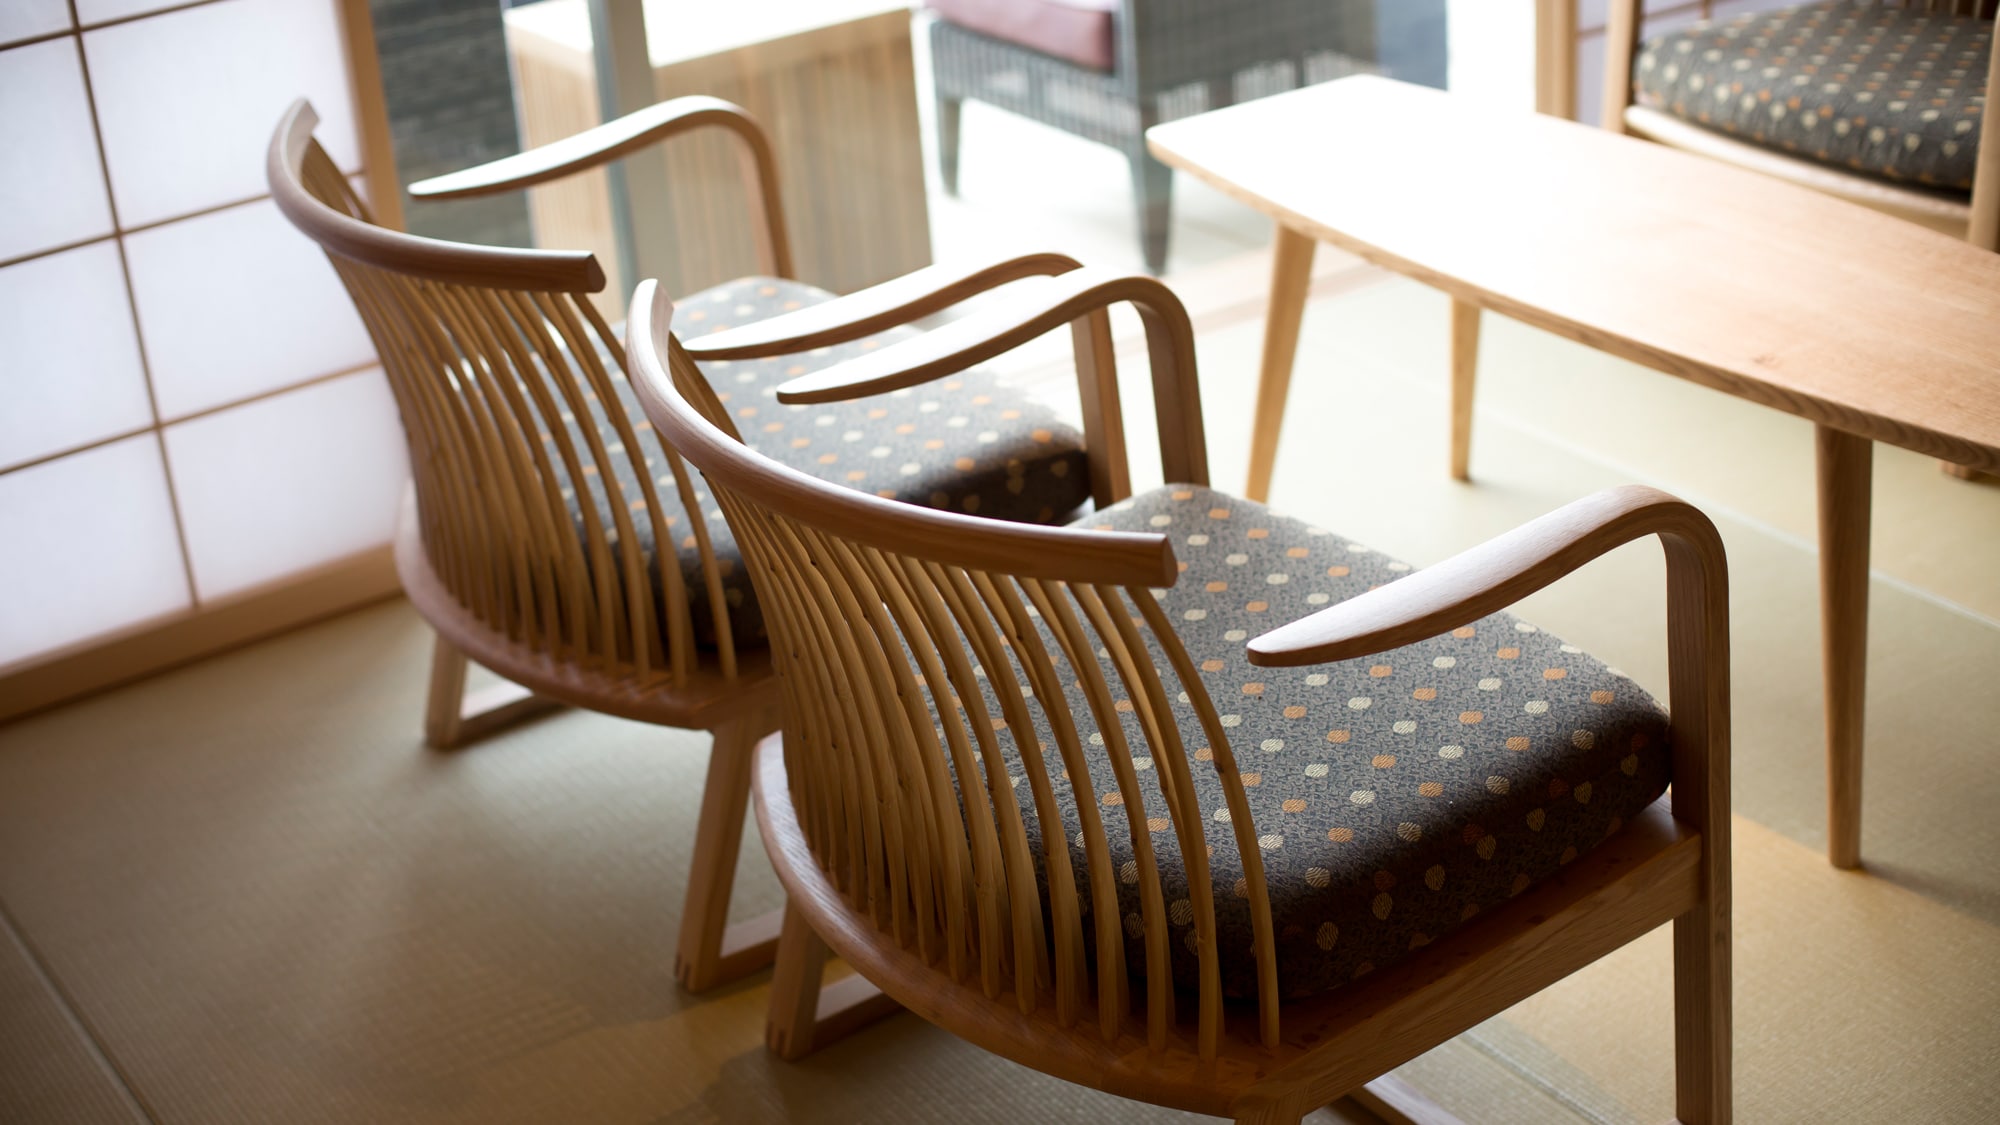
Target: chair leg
column 711, row 951
column 452, row 718
column 804, row 1015
column 1282, row 1109
column 1464, row 372
column 947, row 142
column 1702, row 1039
column 1153, row 188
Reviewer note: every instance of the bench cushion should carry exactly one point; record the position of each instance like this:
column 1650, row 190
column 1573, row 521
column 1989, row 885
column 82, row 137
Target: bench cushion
column 1394, row 797
column 1878, row 89
column 1080, row 31
column 967, row 443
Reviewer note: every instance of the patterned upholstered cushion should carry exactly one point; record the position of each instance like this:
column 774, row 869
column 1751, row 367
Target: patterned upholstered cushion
column 1394, row 797
column 965, row 443
column 1881, row 89
column 1080, row 31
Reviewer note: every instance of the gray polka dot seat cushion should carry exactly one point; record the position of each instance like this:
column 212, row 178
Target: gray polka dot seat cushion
column 1880, row 89
column 966, row 443
column 1394, row 797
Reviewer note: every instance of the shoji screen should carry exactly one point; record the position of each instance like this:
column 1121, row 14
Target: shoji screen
column 189, row 411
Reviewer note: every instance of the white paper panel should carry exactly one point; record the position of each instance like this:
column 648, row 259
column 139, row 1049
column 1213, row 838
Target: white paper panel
column 286, row 483
column 24, row 19
column 98, row 11
column 235, row 303
column 89, row 548
column 51, row 186
column 187, row 101
column 71, row 373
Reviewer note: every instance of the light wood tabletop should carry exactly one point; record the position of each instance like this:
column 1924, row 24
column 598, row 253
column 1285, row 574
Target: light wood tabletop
column 1773, row 293
column 1871, row 327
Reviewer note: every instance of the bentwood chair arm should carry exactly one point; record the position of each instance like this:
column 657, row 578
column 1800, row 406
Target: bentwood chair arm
column 1489, row 577
column 695, row 423
column 865, row 312
column 1080, row 299
column 622, row 137
column 289, row 161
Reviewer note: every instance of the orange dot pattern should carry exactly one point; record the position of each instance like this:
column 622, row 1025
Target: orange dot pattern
column 1388, row 797
column 1882, row 89
column 965, row 444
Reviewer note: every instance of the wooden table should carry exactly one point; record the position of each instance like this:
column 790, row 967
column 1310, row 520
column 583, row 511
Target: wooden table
column 830, row 80
column 1870, row 327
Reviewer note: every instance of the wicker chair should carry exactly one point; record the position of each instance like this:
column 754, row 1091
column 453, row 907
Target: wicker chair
column 549, row 536
column 1034, row 785
column 1107, row 70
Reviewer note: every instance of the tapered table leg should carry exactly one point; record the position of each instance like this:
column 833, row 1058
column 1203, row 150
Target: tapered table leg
column 1464, row 373
column 1291, row 275
column 1845, row 464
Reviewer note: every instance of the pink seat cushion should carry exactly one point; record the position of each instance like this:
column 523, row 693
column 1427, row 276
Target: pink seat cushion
column 1077, row 30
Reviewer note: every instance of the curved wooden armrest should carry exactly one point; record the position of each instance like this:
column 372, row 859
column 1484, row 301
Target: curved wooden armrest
column 1493, row 575
column 1078, row 298
column 590, row 148
column 868, row 311
column 624, row 136
column 1490, row 577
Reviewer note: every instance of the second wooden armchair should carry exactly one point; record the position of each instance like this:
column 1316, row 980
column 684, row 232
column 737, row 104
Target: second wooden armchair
column 1080, row 796
column 548, row 534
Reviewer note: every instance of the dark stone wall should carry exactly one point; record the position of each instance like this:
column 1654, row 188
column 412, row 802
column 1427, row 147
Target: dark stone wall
column 451, row 105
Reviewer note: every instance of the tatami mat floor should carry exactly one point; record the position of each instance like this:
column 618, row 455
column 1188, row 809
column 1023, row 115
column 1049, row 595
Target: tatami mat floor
column 243, row 892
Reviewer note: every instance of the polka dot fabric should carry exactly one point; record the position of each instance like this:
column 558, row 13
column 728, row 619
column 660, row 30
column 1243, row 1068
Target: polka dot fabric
column 1395, row 797
column 1874, row 88
column 965, row 443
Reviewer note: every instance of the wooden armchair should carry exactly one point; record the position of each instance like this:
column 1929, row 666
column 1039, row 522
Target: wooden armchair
column 1067, row 792
column 549, row 535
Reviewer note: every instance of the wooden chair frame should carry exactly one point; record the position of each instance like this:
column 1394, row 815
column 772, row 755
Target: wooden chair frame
column 882, row 612
column 484, row 349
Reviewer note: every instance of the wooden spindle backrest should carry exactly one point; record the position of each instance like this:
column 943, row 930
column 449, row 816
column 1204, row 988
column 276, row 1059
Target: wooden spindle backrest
column 890, row 626
column 506, row 378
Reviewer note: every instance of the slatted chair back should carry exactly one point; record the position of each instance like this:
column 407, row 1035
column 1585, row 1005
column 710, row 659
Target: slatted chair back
column 890, row 624
column 506, row 377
